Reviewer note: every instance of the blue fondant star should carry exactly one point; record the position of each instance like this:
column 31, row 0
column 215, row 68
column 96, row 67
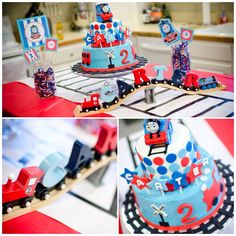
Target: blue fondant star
column 110, row 37
column 120, row 35
column 89, row 39
column 157, row 184
column 128, row 175
column 178, row 180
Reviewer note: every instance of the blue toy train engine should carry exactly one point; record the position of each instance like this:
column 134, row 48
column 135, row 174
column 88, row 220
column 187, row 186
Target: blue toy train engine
column 208, row 83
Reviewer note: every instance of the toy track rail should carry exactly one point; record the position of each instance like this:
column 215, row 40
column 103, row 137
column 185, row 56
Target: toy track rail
column 77, row 112
column 55, row 194
column 142, row 61
column 216, row 223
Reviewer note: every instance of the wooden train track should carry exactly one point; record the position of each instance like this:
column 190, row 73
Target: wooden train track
column 55, row 194
column 78, row 113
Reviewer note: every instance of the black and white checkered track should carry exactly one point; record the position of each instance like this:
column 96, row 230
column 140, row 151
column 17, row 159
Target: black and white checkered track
column 169, row 103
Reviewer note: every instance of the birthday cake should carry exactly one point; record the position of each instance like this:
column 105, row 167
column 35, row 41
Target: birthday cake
column 177, row 185
column 108, row 44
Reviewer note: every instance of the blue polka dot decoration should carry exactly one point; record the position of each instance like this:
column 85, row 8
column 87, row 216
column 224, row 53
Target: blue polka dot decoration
column 161, row 170
column 147, row 161
column 143, row 167
column 182, row 153
column 111, row 31
column 97, row 32
column 194, row 160
column 171, row 158
column 189, row 146
column 195, row 147
column 91, row 27
column 174, row 167
column 151, row 170
column 186, row 170
column 115, row 24
column 102, row 27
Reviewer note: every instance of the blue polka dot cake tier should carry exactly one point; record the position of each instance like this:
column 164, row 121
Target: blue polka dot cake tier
column 108, row 44
column 177, row 185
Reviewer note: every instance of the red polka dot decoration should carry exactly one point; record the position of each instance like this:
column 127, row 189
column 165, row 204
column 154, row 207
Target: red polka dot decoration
column 109, row 25
column 185, row 161
column 96, row 27
column 198, row 155
column 158, row 161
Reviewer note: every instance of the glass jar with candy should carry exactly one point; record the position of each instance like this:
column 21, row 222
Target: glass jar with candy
column 44, row 80
column 180, row 56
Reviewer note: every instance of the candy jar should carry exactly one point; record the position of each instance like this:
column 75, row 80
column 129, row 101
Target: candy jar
column 44, row 80
column 180, row 57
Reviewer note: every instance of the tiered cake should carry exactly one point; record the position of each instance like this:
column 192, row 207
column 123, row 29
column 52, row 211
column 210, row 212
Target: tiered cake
column 108, row 45
column 177, row 185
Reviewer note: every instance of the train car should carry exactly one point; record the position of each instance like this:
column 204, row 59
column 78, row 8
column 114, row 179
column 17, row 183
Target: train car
column 157, row 131
column 86, row 58
column 20, row 192
column 109, row 95
column 140, row 78
column 124, row 88
column 81, row 157
column 191, row 82
column 177, row 78
column 107, row 141
column 208, row 83
column 54, row 176
column 92, row 104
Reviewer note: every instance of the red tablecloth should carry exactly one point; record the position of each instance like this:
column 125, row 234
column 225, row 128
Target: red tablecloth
column 35, row 223
column 21, row 100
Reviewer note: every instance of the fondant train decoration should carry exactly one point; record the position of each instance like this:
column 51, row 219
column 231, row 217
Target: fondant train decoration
column 54, row 169
column 114, row 92
column 178, row 189
column 108, row 44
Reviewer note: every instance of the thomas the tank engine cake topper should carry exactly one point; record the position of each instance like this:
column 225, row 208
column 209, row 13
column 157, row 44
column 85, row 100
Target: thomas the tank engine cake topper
column 103, row 13
column 179, row 187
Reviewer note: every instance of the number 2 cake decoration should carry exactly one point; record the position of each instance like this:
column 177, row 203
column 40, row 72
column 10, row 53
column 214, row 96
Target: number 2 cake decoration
column 177, row 187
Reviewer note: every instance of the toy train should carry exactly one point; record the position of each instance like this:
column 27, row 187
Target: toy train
column 111, row 94
column 54, row 169
column 157, row 131
column 188, row 81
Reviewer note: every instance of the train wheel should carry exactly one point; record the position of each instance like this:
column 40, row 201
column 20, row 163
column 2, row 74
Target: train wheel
column 86, row 110
column 88, row 164
column 208, row 86
column 164, row 82
column 204, row 87
column 137, row 85
column 45, row 196
column 214, row 85
column 180, row 86
column 188, row 89
column 26, row 202
column 61, row 185
column 154, row 81
column 96, row 108
column 196, row 89
column 97, row 156
column 106, row 106
column 116, row 101
column 108, row 153
column 131, row 89
column 7, row 208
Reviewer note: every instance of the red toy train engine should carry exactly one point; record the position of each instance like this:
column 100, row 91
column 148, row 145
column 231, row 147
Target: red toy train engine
column 86, row 58
column 92, row 104
column 20, row 192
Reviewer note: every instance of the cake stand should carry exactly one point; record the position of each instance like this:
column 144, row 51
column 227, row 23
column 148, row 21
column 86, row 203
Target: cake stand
column 142, row 61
